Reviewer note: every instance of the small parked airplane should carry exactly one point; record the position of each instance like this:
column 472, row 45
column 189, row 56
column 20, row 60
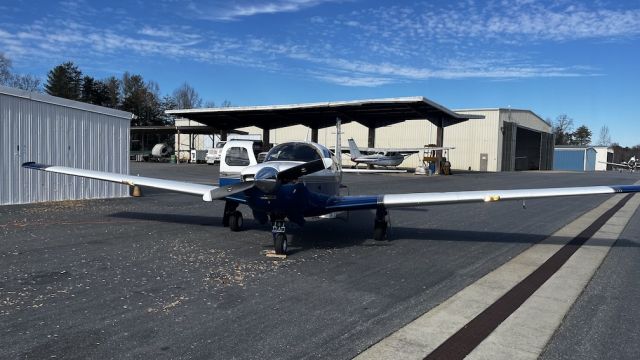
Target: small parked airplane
column 385, row 156
column 632, row 165
column 302, row 179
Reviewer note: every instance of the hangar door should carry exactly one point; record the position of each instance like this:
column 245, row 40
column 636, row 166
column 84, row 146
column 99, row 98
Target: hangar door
column 525, row 149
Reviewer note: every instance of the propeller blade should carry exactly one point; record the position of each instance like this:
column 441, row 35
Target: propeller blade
column 227, row 190
column 301, row 170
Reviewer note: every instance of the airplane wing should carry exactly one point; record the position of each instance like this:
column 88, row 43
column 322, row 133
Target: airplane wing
column 421, row 199
column 614, row 164
column 345, row 149
column 208, row 192
column 373, row 171
column 407, row 150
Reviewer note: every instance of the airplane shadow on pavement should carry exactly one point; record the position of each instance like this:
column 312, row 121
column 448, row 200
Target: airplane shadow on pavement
column 356, row 229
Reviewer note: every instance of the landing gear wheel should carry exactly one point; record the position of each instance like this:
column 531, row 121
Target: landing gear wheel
column 379, row 230
column 280, row 243
column 229, row 209
column 235, row 221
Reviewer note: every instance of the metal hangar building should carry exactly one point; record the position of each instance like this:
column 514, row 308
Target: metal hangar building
column 56, row 131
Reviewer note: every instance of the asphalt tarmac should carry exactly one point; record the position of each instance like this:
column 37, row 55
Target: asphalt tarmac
column 159, row 277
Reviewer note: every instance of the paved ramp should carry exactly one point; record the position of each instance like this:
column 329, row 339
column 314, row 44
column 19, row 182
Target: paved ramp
column 513, row 311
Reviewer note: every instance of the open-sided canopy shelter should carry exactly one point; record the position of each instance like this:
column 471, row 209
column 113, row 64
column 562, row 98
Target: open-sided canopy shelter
column 370, row 113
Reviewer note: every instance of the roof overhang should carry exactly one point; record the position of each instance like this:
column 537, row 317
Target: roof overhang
column 203, row 130
column 370, row 113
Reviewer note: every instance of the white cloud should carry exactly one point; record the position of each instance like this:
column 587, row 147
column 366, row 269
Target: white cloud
column 237, row 10
column 156, row 32
column 370, row 47
column 354, row 80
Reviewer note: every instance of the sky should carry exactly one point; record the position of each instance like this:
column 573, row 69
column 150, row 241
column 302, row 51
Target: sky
column 552, row 57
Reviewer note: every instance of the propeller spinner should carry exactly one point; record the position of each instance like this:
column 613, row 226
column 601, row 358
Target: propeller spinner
column 267, row 179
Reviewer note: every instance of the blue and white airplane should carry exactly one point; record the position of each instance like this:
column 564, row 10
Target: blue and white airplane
column 302, row 179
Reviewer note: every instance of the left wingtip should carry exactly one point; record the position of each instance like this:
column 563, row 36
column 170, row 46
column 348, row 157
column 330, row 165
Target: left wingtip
column 34, row 165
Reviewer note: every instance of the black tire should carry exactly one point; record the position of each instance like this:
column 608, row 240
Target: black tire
column 280, row 243
column 235, row 221
column 225, row 220
column 379, row 230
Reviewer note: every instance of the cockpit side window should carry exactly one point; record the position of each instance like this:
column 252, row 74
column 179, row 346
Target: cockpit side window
column 237, row 156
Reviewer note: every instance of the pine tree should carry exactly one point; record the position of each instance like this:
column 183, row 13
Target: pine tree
column 65, row 81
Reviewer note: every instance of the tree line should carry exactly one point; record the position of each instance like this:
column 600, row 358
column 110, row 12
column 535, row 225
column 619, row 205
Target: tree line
column 130, row 92
column 10, row 79
column 565, row 135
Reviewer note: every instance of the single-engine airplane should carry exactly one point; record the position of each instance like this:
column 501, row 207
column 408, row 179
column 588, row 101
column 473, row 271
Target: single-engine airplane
column 632, row 165
column 385, row 156
column 302, row 179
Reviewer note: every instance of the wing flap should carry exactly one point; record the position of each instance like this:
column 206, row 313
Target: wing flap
column 171, row 185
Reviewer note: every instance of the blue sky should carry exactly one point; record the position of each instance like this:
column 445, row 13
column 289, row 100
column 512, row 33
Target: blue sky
column 553, row 57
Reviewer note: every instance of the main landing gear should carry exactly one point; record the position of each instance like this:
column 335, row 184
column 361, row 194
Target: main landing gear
column 232, row 217
column 380, row 225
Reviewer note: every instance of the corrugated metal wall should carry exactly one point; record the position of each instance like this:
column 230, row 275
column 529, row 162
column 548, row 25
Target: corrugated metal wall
column 509, row 146
column 602, row 154
column 474, row 137
column 569, row 159
column 413, row 133
column 546, row 151
column 590, row 162
column 470, row 138
column 50, row 130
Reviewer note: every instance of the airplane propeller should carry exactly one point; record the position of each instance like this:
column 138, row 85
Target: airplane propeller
column 267, row 179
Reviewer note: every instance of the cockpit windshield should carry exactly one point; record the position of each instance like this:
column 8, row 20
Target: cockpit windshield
column 293, row 152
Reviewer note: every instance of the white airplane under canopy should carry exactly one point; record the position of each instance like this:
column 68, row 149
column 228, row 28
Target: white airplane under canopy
column 298, row 180
column 386, row 156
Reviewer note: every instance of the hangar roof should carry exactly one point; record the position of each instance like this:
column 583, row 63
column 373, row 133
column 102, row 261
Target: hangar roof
column 371, row 113
column 170, row 129
column 54, row 100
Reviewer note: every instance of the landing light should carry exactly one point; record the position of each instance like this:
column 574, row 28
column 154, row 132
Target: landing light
column 491, row 198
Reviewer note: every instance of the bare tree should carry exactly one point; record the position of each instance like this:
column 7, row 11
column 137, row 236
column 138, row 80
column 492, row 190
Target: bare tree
column 5, row 70
column 26, row 82
column 604, row 138
column 187, row 97
column 562, row 129
column 7, row 78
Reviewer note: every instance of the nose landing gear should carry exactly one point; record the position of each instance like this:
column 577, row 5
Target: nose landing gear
column 279, row 237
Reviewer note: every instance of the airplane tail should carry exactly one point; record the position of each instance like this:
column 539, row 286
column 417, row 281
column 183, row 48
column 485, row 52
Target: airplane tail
column 353, row 149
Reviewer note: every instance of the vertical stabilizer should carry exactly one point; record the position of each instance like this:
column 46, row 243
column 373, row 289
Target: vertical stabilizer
column 353, row 149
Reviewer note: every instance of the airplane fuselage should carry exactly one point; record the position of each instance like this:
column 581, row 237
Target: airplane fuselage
column 379, row 160
column 307, row 196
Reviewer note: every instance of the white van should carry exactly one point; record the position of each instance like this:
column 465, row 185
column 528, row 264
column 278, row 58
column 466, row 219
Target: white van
column 237, row 155
column 213, row 154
